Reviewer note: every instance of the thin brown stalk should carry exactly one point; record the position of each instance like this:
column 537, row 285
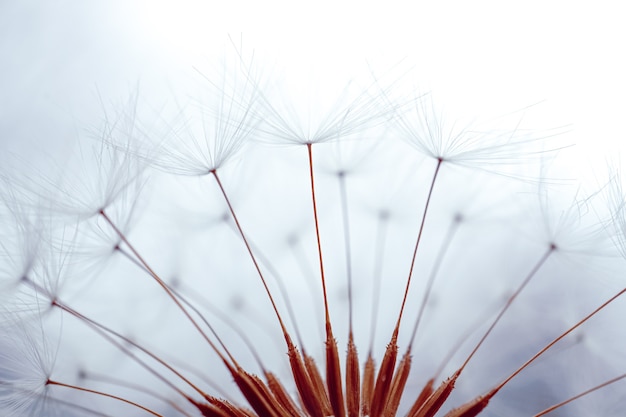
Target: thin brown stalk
column 249, row 249
column 476, row 405
column 103, row 330
column 106, row 333
column 333, row 368
column 188, row 304
column 311, row 281
column 104, row 394
column 433, row 274
column 47, row 397
column 472, row 408
column 417, row 242
column 136, row 387
column 512, row 298
column 304, row 384
column 317, row 234
column 555, row 341
column 226, row 319
column 577, row 396
column 385, row 374
column 280, row 281
column 163, row 285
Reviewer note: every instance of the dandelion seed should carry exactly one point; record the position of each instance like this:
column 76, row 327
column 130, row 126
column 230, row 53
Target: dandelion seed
column 228, row 122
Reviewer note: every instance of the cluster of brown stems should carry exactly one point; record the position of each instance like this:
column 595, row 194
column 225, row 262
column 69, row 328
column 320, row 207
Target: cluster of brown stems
column 372, row 393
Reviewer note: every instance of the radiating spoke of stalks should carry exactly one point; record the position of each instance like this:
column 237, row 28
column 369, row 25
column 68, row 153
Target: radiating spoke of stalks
column 201, row 362
column 251, row 387
column 305, row 376
column 161, row 283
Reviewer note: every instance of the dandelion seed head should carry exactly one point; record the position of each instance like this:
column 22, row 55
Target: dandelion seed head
column 470, row 144
column 27, row 361
column 195, row 270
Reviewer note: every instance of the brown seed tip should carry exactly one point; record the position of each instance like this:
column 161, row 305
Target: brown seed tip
column 384, row 379
column 368, row 386
column 353, row 388
column 397, row 386
column 434, row 402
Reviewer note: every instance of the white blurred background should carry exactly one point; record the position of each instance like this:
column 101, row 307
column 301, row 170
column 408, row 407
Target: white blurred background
column 481, row 58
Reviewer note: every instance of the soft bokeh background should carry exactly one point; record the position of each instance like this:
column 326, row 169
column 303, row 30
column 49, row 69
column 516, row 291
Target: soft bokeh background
column 482, row 58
